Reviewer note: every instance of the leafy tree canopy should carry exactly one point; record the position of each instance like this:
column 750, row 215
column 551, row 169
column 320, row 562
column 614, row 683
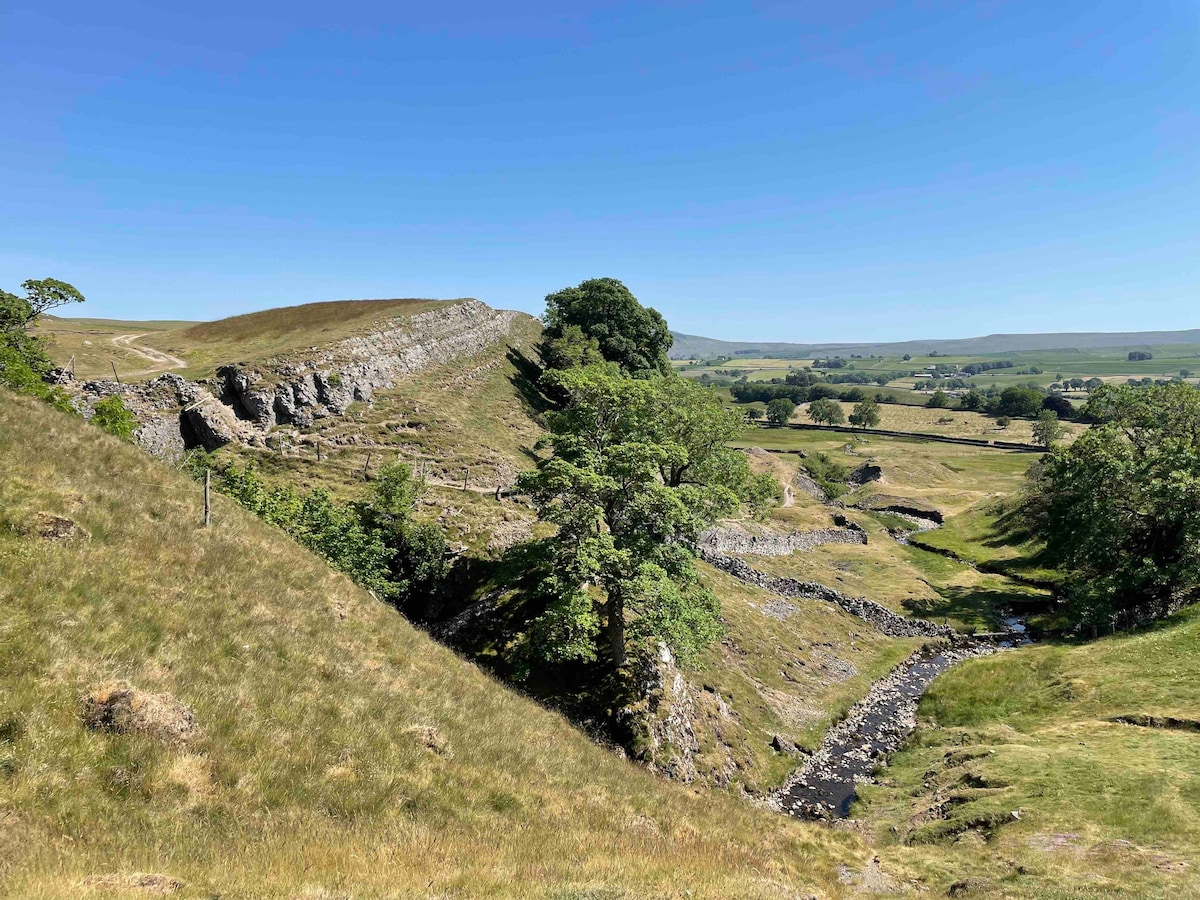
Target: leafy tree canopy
column 779, row 411
column 939, row 400
column 1119, row 508
column 865, row 414
column 1047, row 430
column 638, row 469
column 826, row 412
column 633, row 336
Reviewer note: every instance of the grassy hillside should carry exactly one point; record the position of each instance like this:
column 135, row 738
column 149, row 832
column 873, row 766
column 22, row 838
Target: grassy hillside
column 962, row 482
column 273, row 332
column 340, row 753
column 1103, row 807
column 98, row 343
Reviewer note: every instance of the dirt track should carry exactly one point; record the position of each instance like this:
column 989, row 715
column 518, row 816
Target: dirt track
column 164, row 362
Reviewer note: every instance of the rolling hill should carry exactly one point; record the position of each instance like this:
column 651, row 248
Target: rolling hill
column 690, row 346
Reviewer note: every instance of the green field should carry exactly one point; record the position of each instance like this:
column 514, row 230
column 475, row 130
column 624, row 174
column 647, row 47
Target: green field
column 1108, row 364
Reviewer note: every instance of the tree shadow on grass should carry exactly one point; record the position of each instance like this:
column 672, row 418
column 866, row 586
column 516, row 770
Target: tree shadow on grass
column 526, row 379
column 986, row 608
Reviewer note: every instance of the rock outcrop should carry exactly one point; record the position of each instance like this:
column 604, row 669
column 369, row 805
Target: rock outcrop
column 242, row 403
column 119, row 707
column 659, row 725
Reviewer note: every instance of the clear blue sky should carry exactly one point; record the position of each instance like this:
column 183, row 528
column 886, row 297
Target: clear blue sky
column 790, row 171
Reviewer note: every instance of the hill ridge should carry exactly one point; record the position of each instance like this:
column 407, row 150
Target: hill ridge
column 690, row 346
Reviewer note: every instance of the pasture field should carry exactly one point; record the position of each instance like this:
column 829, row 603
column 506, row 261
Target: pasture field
column 1108, row 364
column 910, row 578
column 98, row 344
column 951, row 422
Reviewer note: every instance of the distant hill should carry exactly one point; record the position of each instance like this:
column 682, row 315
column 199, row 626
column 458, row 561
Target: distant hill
column 691, row 346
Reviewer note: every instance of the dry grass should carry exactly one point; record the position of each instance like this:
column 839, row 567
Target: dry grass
column 312, row 774
column 953, row 422
column 90, row 342
column 789, row 668
column 206, row 345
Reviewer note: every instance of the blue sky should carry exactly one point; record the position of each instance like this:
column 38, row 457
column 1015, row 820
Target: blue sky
column 788, row 171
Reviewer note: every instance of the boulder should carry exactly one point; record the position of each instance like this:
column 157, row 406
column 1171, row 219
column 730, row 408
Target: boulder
column 119, row 707
column 213, row 424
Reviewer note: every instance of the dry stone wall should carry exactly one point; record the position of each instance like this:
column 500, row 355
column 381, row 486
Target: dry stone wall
column 771, row 543
column 868, row 610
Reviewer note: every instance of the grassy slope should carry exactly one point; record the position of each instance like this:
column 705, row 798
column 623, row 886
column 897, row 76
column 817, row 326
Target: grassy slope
column 206, row 345
column 309, row 777
column 955, row 480
column 467, row 417
column 90, row 342
column 790, row 676
column 1108, row 809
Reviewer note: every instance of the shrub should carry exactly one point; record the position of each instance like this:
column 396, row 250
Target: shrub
column 113, row 416
column 830, row 474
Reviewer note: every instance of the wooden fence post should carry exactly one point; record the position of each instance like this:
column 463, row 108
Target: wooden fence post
column 115, row 375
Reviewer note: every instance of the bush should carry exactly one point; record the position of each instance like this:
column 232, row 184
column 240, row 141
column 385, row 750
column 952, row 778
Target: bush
column 1060, row 406
column 17, row 373
column 830, row 474
column 113, row 416
column 375, row 541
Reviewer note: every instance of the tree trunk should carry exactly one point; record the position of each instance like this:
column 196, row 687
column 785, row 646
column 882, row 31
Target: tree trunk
column 616, row 629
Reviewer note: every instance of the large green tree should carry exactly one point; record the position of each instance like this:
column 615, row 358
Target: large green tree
column 1119, row 508
column 826, row 412
column 638, row 469
column 602, row 314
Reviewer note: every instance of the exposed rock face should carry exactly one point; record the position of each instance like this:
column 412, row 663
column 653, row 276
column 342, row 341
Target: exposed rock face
column 661, row 722
column 868, row 610
column 864, row 474
column 805, row 483
column 770, row 543
column 120, row 707
column 243, row 403
column 903, row 506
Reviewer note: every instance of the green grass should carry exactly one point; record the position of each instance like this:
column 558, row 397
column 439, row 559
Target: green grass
column 311, row 777
column 1107, row 808
column 793, row 677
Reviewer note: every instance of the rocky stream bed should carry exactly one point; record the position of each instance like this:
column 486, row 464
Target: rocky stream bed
column 826, row 785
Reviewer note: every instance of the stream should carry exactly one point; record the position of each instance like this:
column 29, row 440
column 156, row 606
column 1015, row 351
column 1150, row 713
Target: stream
column 826, row 785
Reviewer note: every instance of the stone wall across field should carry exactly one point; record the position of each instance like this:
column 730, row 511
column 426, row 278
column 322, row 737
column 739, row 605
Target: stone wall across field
column 881, row 617
column 917, row 435
column 771, row 543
